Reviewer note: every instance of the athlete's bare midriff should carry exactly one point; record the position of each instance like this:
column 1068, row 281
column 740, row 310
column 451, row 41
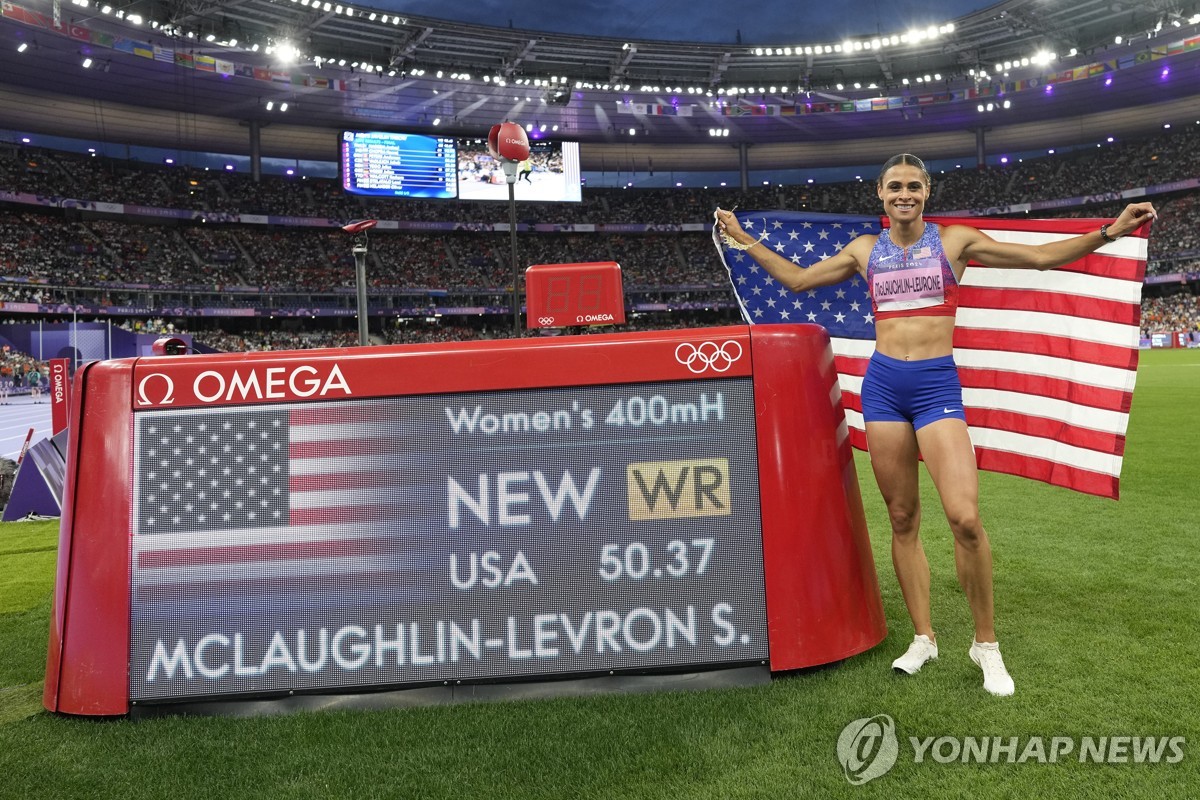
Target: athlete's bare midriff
column 915, row 338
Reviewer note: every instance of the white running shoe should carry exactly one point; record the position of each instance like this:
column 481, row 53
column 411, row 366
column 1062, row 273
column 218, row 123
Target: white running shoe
column 995, row 677
column 921, row 650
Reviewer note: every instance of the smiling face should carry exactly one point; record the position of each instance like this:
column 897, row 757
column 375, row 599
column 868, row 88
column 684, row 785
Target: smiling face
column 903, row 190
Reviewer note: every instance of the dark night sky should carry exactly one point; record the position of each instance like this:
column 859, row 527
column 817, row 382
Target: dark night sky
column 764, row 22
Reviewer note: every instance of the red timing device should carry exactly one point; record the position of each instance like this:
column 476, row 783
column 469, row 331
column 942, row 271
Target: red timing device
column 359, row 225
column 508, row 141
column 563, row 295
column 169, row 346
column 328, row 524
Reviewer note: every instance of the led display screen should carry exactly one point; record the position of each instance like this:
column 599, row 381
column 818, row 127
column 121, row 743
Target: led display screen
column 551, row 173
column 406, row 540
column 396, row 164
column 381, row 164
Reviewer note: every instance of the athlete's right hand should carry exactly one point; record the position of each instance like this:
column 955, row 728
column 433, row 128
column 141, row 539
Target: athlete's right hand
column 728, row 223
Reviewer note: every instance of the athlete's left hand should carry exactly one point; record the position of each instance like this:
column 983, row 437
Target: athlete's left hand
column 1133, row 217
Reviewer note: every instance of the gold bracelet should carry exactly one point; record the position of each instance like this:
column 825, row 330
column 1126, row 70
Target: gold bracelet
column 734, row 244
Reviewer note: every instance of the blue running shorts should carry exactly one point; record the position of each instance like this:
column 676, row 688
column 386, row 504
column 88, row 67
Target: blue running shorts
column 917, row 392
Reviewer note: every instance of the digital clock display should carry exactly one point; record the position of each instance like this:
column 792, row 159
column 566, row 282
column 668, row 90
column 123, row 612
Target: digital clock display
column 396, row 541
column 566, row 295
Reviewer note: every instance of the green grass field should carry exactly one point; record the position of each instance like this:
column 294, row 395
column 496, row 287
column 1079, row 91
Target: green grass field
column 1098, row 611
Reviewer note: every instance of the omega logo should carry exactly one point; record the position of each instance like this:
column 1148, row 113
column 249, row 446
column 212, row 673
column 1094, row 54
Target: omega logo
column 168, row 395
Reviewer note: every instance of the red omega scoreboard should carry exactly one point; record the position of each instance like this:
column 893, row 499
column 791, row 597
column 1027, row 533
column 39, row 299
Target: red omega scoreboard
column 254, row 527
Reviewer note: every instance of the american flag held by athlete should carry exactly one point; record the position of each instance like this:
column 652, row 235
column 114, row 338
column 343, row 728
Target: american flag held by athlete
column 1047, row 360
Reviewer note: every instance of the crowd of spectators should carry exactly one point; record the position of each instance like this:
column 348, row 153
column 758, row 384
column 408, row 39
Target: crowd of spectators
column 1172, row 312
column 66, row 250
column 21, row 373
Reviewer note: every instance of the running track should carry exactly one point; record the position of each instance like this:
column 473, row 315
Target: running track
column 16, row 418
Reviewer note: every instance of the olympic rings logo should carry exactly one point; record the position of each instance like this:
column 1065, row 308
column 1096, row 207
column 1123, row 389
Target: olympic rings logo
column 545, row 322
column 708, row 355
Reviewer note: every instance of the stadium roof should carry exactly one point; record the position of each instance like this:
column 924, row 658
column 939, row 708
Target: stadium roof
column 212, row 67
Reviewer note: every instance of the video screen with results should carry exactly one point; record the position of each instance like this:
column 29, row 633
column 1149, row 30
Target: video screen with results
column 391, row 164
column 380, row 164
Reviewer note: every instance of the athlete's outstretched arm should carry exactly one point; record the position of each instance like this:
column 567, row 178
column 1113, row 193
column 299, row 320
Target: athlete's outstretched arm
column 835, row 269
column 978, row 246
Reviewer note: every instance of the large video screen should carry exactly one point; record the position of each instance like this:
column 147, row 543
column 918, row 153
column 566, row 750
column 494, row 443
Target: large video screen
column 476, row 536
column 381, row 164
column 390, row 164
column 551, row 173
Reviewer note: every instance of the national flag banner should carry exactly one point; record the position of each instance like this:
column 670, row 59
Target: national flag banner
column 165, row 54
column 206, row 63
column 27, row 16
column 77, row 32
column 224, row 67
column 186, row 60
column 1047, row 359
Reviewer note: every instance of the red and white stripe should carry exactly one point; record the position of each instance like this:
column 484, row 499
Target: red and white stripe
column 1048, row 360
column 342, row 476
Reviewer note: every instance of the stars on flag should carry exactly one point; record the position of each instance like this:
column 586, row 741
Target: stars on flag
column 843, row 309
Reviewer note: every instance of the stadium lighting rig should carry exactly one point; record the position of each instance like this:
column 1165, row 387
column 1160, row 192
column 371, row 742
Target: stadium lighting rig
column 279, row 45
column 913, row 37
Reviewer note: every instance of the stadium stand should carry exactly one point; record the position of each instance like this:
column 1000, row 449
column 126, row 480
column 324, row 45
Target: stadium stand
column 79, row 257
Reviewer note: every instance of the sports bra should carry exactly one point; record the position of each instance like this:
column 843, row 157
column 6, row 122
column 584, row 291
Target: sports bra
column 917, row 282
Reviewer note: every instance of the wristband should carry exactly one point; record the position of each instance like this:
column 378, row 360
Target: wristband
column 1104, row 234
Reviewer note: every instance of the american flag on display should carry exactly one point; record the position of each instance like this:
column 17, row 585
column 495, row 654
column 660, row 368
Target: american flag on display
column 1047, row 360
column 272, row 496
